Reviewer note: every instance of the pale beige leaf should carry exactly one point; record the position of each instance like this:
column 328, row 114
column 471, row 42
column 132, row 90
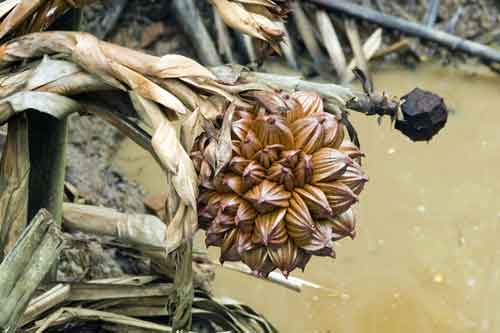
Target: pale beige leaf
column 50, row 70
column 140, row 229
column 370, row 47
column 332, row 43
column 191, row 128
column 55, row 105
column 223, row 151
column 168, row 66
column 147, row 88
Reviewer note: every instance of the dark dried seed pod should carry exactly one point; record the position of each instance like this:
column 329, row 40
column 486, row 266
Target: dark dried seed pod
column 343, row 225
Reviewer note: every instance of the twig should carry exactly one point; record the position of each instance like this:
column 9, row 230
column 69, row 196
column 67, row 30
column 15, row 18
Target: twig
column 357, row 48
column 223, row 38
column 414, row 29
column 305, row 30
column 249, row 47
column 192, row 23
column 452, row 23
column 370, row 47
column 399, row 46
column 66, row 314
column 432, row 13
column 47, row 143
column 380, row 5
column 403, row 12
column 51, row 298
column 113, row 13
column 145, row 230
column 336, row 97
column 291, row 282
column 332, row 43
column 288, row 50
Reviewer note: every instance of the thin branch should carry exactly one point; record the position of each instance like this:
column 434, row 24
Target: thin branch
column 414, row 29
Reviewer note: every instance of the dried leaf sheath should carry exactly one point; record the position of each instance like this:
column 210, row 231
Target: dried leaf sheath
column 14, row 181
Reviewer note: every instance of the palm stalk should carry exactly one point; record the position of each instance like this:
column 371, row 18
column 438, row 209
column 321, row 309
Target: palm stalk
column 26, row 265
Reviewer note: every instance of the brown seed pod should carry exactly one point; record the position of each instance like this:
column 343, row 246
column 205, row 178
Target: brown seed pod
column 281, row 175
column 329, row 164
column 272, row 129
column 351, row 150
column 268, row 155
column 299, row 222
column 321, row 243
column 354, row 178
column 339, row 196
column 270, row 229
column 311, row 102
column 344, row 225
column 287, row 191
column 285, row 257
column 303, row 170
column 253, row 174
column 316, row 200
column 267, row 196
column 258, row 261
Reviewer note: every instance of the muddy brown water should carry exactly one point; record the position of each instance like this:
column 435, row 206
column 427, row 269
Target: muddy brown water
column 427, row 255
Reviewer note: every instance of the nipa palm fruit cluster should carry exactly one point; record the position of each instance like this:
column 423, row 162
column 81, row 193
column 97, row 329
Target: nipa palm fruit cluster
column 288, row 190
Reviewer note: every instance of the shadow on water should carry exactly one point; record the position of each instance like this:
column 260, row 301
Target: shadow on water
column 426, row 258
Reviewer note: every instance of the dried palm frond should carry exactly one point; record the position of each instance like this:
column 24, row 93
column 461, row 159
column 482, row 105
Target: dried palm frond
column 109, row 306
column 34, row 15
column 26, row 265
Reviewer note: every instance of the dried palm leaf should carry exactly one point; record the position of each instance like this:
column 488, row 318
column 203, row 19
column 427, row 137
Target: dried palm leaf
column 16, row 13
column 14, row 182
column 26, row 265
column 48, row 300
column 66, row 314
column 260, row 19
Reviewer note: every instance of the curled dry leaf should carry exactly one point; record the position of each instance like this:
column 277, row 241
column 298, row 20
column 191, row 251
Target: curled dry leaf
column 181, row 175
column 258, row 18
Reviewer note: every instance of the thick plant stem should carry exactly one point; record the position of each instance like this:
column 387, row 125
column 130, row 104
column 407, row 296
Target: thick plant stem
column 47, row 144
column 47, row 139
